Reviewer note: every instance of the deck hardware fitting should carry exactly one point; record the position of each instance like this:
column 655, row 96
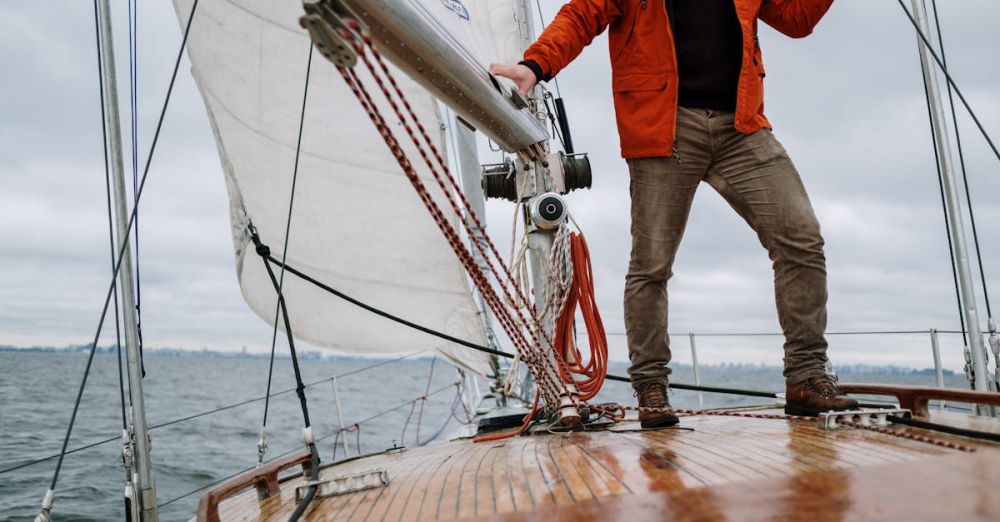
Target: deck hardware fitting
column 830, row 420
column 345, row 484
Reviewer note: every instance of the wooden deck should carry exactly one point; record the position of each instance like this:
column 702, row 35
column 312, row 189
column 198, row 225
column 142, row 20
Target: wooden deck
column 726, row 468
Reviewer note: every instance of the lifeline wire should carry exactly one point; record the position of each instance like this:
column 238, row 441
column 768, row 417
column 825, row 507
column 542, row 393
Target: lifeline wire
column 209, row 412
column 289, row 452
column 121, row 251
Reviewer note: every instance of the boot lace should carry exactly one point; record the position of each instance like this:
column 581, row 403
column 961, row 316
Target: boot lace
column 825, row 386
column 652, row 395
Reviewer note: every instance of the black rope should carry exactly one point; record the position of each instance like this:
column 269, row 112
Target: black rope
column 943, row 428
column 708, row 389
column 288, row 227
column 944, row 209
column 121, row 251
column 961, row 160
column 107, row 187
column 299, row 386
column 951, row 81
column 292, row 270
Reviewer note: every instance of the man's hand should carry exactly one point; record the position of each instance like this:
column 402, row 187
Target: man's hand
column 522, row 76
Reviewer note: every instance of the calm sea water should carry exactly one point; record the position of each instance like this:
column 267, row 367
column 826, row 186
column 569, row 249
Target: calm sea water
column 37, row 391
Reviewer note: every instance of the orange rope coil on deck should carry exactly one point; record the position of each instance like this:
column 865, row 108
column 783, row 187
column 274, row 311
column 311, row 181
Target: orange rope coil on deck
column 586, row 374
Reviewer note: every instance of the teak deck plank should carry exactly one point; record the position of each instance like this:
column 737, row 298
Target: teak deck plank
column 883, row 492
column 727, row 468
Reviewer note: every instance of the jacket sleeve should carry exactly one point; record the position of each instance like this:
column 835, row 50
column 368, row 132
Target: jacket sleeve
column 795, row 18
column 573, row 28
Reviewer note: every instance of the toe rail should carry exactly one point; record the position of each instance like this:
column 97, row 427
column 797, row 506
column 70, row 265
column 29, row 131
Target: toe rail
column 264, row 479
column 916, row 398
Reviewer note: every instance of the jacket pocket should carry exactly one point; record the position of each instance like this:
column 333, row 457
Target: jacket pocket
column 645, row 111
column 639, row 82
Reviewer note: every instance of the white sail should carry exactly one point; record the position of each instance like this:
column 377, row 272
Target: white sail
column 357, row 224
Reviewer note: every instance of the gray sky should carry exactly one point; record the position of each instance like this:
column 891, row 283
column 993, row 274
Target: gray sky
column 847, row 103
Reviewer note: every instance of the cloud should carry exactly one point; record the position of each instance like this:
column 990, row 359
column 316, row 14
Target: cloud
column 847, row 102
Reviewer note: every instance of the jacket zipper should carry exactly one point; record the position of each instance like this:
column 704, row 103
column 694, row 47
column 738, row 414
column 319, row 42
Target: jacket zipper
column 674, row 153
column 670, row 32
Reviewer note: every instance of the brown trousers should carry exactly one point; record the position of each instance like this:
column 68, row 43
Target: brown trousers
column 754, row 174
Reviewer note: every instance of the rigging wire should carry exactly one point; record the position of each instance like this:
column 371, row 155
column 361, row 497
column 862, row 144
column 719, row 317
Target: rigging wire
column 541, row 18
column 944, row 209
column 262, row 446
column 961, row 159
column 121, row 250
column 111, row 232
column 289, row 452
column 212, row 411
column 951, row 81
column 133, row 85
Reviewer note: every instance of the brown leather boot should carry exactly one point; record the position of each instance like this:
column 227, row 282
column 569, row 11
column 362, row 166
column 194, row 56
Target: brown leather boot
column 814, row 396
column 654, row 395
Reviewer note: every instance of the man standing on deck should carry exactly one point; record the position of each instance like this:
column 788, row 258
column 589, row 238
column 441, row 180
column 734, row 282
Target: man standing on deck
column 687, row 78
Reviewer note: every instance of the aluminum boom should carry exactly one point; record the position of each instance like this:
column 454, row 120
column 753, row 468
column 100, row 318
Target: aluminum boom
column 418, row 44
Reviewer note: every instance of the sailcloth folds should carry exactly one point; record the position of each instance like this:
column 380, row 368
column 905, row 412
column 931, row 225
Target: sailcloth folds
column 356, row 225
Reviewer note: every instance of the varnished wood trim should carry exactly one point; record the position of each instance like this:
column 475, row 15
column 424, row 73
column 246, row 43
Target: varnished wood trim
column 915, row 398
column 264, row 479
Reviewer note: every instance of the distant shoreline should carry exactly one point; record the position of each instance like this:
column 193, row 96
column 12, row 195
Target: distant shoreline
column 849, row 369
column 172, row 352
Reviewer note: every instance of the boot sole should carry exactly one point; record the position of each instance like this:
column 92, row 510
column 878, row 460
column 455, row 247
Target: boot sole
column 663, row 422
column 803, row 411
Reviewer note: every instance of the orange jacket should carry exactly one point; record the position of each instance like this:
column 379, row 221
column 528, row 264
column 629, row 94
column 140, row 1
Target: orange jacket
column 644, row 64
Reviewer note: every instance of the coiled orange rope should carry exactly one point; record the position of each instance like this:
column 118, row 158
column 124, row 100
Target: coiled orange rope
column 586, row 374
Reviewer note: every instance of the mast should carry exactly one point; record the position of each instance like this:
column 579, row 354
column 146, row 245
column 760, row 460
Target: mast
column 953, row 208
column 544, row 194
column 143, row 472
